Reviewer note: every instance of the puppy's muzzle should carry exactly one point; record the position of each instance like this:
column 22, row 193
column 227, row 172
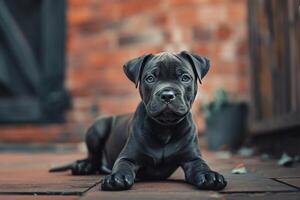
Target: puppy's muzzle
column 167, row 96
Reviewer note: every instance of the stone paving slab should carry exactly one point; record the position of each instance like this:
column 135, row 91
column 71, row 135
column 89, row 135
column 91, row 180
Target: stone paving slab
column 262, row 196
column 291, row 181
column 37, row 197
column 153, row 195
column 36, row 160
column 253, row 183
column 41, row 182
column 28, row 173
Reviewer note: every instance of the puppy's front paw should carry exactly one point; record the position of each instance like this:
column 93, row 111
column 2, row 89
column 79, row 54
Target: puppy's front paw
column 117, row 181
column 209, row 180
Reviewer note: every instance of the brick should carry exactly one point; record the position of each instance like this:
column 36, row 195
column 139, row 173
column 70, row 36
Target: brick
column 91, row 43
column 130, row 39
column 37, row 133
column 113, row 105
column 202, row 48
column 242, row 48
column 84, row 115
column 227, row 51
column 79, row 16
column 133, row 7
column 223, row 32
column 184, row 3
column 78, row 3
column 136, row 25
column 230, row 83
column 212, row 14
column 108, row 11
column 237, row 11
column 160, row 19
column 144, row 50
column 103, row 58
column 148, row 37
column 185, row 17
column 202, row 33
column 227, row 68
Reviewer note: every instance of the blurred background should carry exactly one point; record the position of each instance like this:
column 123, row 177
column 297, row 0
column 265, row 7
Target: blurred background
column 61, row 67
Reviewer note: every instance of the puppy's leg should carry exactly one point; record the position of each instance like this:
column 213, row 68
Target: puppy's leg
column 122, row 176
column 199, row 174
column 96, row 137
column 95, row 140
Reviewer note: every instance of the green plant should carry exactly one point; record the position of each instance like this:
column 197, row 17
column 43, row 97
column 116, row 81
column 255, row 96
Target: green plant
column 220, row 99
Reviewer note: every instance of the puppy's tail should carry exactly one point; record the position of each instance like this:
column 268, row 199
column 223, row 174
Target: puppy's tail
column 62, row 168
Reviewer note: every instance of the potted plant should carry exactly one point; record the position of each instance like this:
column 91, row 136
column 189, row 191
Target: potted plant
column 225, row 121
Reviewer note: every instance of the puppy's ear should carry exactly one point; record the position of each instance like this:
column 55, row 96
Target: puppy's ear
column 134, row 68
column 200, row 64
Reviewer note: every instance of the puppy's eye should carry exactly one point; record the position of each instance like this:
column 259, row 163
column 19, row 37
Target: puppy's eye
column 186, row 78
column 150, row 79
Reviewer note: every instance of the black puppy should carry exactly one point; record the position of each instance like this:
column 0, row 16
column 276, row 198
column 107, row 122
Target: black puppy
column 160, row 136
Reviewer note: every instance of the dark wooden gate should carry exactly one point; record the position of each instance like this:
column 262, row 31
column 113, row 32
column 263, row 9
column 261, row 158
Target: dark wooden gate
column 274, row 32
column 32, row 61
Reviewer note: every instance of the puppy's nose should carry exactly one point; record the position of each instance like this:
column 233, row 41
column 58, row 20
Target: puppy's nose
column 167, row 96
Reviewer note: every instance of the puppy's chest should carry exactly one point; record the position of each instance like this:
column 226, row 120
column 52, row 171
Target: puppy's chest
column 164, row 154
column 167, row 149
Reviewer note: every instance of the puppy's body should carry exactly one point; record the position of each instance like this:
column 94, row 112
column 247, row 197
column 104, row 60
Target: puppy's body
column 160, row 136
column 157, row 151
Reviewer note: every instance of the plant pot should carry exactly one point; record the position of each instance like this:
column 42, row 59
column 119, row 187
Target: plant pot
column 226, row 127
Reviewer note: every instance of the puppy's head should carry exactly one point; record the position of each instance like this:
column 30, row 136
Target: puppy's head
column 167, row 83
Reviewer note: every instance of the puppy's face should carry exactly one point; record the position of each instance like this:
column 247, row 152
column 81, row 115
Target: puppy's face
column 167, row 87
column 167, row 83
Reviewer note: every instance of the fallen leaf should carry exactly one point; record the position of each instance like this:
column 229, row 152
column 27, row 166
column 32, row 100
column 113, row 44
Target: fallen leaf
column 285, row 160
column 239, row 169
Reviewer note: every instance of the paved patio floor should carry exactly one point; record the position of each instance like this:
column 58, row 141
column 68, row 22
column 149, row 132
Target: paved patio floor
column 25, row 176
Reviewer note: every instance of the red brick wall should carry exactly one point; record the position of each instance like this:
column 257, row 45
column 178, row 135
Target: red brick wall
column 102, row 35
